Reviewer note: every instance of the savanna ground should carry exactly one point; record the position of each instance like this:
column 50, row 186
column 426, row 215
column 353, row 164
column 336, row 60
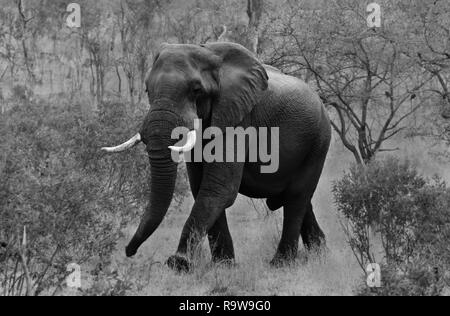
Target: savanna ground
column 256, row 233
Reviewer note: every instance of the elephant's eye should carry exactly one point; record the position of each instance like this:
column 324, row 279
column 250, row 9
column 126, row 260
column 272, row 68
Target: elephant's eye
column 196, row 88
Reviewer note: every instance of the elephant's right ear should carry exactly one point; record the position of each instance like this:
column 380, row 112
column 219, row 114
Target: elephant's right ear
column 242, row 79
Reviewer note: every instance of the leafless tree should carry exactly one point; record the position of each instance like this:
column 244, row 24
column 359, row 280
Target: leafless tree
column 360, row 73
column 254, row 12
column 25, row 18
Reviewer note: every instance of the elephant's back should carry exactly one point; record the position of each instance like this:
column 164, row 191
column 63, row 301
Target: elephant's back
column 290, row 101
column 291, row 89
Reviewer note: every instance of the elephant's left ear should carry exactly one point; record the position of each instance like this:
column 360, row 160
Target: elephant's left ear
column 241, row 78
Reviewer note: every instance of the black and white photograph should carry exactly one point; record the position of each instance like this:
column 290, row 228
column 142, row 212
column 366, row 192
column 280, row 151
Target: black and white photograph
column 224, row 153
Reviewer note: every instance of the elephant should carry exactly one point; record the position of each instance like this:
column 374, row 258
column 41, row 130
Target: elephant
column 225, row 85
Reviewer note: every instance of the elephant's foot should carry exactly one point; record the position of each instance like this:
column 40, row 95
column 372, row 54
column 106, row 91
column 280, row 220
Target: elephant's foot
column 280, row 262
column 223, row 255
column 283, row 259
column 179, row 264
column 226, row 262
column 313, row 237
column 318, row 249
column 287, row 258
column 314, row 243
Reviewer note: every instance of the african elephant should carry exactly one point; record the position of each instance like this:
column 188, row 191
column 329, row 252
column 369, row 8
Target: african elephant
column 224, row 85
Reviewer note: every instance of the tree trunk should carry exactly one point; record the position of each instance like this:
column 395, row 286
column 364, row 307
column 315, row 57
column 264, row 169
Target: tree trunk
column 119, row 78
column 130, row 78
column 254, row 13
column 26, row 58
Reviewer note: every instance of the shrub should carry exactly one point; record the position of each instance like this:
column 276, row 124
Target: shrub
column 21, row 92
column 388, row 203
column 73, row 200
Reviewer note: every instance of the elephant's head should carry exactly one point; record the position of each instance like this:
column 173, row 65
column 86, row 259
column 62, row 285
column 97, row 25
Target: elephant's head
column 218, row 83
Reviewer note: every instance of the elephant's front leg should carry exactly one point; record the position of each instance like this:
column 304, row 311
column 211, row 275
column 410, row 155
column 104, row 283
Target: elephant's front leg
column 220, row 241
column 219, row 237
column 218, row 191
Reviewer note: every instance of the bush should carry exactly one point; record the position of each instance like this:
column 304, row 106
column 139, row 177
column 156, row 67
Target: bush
column 73, row 200
column 21, row 92
column 388, row 204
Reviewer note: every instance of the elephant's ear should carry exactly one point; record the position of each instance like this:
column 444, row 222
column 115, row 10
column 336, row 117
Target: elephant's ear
column 241, row 78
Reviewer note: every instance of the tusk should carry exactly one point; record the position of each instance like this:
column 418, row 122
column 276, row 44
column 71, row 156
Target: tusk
column 190, row 143
column 125, row 146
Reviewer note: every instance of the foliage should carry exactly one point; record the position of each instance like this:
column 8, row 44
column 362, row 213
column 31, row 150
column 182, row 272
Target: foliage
column 73, row 200
column 389, row 203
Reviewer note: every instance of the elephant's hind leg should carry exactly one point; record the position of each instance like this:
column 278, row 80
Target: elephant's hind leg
column 220, row 241
column 294, row 214
column 298, row 215
column 312, row 236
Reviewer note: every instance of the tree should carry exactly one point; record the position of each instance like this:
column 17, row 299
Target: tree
column 8, row 49
column 254, row 12
column 25, row 17
column 136, row 24
column 98, row 37
column 431, row 31
column 360, row 73
column 428, row 44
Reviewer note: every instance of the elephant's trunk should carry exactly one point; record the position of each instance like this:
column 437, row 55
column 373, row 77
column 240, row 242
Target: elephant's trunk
column 163, row 174
column 163, row 178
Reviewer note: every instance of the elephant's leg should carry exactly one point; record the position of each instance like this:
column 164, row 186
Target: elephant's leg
column 294, row 214
column 195, row 174
column 298, row 213
column 218, row 191
column 220, row 241
column 219, row 236
column 312, row 236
